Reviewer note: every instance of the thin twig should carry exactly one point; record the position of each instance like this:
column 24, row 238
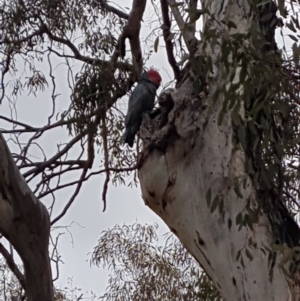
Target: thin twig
column 55, row 157
column 70, row 202
column 126, row 169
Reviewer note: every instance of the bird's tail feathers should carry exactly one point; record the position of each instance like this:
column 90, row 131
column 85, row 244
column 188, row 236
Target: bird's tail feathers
column 128, row 138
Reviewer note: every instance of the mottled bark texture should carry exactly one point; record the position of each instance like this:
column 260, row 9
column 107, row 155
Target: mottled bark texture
column 190, row 165
column 25, row 223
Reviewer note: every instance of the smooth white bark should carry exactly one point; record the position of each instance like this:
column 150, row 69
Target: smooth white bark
column 203, row 156
column 25, row 223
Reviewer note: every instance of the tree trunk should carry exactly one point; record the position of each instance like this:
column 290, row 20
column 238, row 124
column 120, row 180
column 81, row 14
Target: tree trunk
column 25, row 223
column 190, row 176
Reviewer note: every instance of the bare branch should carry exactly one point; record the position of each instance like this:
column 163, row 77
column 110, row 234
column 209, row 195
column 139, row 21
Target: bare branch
column 55, row 157
column 26, row 126
column 79, row 56
column 79, row 163
column 128, row 169
column 188, row 35
column 5, row 70
column 109, row 8
column 192, row 10
column 132, row 31
column 167, row 34
column 55, row 257
column 80, row 182
column 38, row 32
column 106, row 162
column 12, row 265
column 47, row 177
column 59, row 123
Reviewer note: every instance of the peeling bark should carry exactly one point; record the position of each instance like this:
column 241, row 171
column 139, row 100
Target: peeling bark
column 174, row 185
column 25, row 223
column 188, row 176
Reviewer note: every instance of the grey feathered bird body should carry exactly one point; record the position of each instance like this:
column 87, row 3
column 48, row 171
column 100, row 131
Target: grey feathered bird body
column 140, row 101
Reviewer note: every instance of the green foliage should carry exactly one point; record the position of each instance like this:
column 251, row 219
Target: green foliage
column 81, row 39
column 96, row 89
column 261, row 89
column 142, row 270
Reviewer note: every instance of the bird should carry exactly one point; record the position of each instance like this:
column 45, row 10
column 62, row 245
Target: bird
column 140, row 102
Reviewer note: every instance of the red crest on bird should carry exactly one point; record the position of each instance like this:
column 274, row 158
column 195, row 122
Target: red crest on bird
column 154, row 76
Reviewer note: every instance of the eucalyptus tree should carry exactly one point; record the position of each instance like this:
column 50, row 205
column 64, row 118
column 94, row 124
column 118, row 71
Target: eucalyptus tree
column 142, row 269
column 217, row 160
